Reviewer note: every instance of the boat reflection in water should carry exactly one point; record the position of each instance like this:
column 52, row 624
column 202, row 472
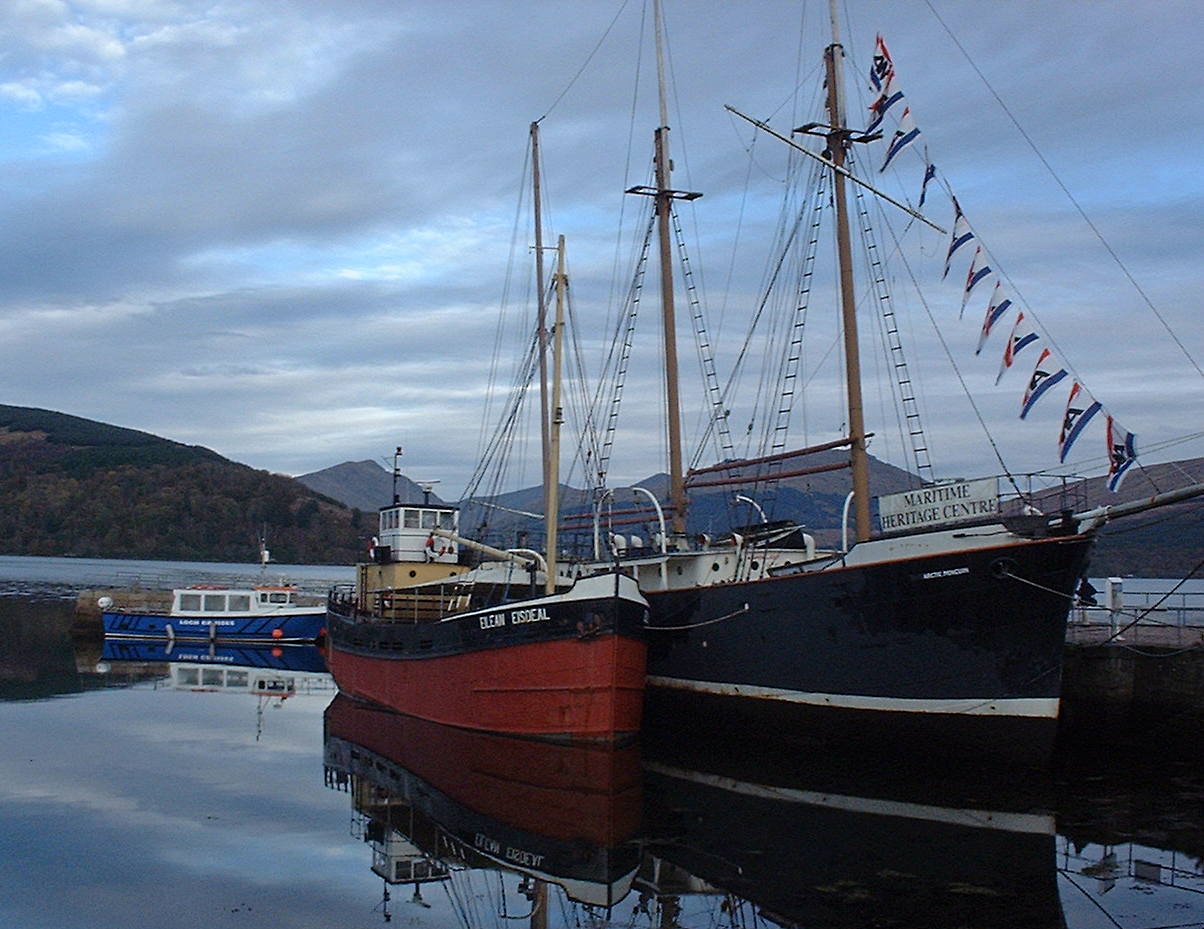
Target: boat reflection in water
column 271, row 673
column 809, row 843
column 437, row 803
column 681, row 838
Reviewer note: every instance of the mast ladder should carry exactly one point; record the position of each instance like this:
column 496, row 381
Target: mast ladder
column 903, row 382
column 702, row 340
column 794, row 346
column 627, row 338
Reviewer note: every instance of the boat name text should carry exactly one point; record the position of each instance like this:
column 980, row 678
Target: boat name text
column 492, row 846
column 535, row 614
column 948, row 572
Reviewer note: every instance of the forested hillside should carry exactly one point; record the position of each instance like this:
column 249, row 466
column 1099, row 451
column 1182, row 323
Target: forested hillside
column 72, row 486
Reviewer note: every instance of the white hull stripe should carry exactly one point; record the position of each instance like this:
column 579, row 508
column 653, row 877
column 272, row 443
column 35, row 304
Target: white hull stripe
column 1033, row 707
column 1032, row 823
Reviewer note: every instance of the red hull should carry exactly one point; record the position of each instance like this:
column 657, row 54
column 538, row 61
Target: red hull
column 575, row 688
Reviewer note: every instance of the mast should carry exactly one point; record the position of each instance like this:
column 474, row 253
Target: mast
column 664, row 203
column 837, row 143
column 541, row 298
column 552, row 472
column 665, row 196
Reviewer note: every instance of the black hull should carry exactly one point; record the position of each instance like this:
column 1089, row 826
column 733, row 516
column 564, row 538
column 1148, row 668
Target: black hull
column 962, row 650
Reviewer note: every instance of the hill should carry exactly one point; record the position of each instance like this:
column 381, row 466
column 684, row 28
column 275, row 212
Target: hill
column 73, row 486
column 364, row 485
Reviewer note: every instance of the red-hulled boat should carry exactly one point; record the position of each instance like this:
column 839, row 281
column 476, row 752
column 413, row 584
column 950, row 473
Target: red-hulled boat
column 480, row 649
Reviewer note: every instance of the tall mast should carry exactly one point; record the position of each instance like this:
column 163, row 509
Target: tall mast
column 541, row 298
column 552, row 474
column 665, row 196
column 664, row 203
column 837, row 144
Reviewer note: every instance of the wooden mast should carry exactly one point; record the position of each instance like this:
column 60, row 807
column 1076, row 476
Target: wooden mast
column 541, row 298
column 664, row 204
column 837, row 143
column 664, row 196
column 552, row 473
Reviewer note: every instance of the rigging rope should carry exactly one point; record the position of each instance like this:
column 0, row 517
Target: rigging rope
column 1066, row 190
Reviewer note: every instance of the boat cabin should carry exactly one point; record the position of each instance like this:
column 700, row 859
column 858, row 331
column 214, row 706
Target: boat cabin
column 216, row 601
column 406, row 534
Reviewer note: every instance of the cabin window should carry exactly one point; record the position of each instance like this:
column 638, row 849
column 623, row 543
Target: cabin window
column 240, row 601
column 237, row 678
column 211, row 677
column 411, row 519
column 393, row 516
column 190, row 601
column 263, row 598
column 447, row 520
column 190, row 676
column 429, row 519
column 215, row 603
column 279, row 597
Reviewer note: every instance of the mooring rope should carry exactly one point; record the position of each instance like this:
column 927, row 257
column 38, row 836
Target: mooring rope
column 705, row 622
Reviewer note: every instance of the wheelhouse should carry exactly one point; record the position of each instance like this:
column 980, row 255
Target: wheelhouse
column 408, row 533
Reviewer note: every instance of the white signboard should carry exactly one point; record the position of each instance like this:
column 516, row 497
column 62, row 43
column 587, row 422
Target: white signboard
column 944, row 503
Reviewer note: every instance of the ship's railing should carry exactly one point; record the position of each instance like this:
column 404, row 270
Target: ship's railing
column 430, row 604
column 1143, row 608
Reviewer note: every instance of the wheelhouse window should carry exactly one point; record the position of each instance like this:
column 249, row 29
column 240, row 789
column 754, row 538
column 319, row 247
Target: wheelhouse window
column 215, row 603
column 239, row 602
column 411, row 519
column 429, row 519
column 279, row 597
column 190, row 601
column 447, row 519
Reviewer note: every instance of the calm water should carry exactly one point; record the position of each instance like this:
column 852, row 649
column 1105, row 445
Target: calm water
column 156, row 789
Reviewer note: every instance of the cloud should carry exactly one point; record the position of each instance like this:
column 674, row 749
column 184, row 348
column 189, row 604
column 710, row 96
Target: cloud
column 238, row 217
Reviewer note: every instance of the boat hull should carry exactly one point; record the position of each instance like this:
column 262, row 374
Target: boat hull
column 960, row 649
column 575, row 673
column 308, row 626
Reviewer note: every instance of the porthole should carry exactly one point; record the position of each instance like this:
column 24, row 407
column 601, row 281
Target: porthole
column 756, row 565
column 715, row 566
column 413, row 574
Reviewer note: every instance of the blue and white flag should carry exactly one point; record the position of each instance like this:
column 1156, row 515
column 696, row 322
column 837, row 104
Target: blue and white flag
column 995, row 309
column 1122, row 452
column 976, row 273
column 1044, row 377
column 1080, row 407
column 882, row 71
column 904, row 136
column 1023, row 335
column 879, row 107
column 929, row 174
column 961, row 234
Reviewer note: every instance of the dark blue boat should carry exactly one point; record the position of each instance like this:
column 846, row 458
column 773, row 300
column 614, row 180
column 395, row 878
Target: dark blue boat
column 264, row 614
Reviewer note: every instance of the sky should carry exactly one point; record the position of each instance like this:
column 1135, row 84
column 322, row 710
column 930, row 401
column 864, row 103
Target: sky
column 298, row 233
